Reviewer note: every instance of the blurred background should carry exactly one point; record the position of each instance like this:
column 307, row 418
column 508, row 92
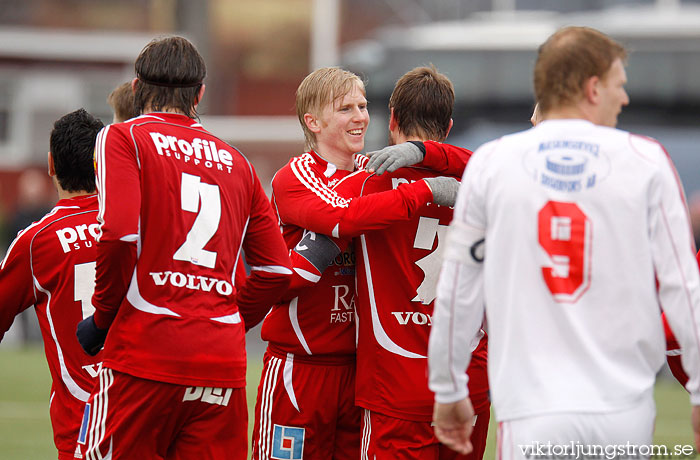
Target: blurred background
column 57, row 56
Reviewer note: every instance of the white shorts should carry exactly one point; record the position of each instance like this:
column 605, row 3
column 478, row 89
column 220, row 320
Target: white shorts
column 611, row 435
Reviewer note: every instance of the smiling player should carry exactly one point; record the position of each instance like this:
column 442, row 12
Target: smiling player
column 312, row 336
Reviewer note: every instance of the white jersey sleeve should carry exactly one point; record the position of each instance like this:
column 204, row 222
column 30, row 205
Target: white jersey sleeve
column 676, row 271
column 459, row 306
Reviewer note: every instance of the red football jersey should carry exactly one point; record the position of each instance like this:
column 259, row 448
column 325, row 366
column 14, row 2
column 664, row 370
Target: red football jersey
column 320, row 321
column 190, row 203
column 51, row 265
column 397, row 271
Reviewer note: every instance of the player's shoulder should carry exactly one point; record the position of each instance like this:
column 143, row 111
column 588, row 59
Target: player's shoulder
column 297, row 168
column 127, row 125
column 631, row 147
column 646, row 147
column 360, row 161
column 353, row 184
column 487, row 150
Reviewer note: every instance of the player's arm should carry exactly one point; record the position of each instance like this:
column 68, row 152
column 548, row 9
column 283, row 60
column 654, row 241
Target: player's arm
column 267, row 256
column 119, row 195
column 305, row 200
column 673, row 353
column 310, row 258
column 676, row 269
column 445, row 158
column 442, row 158
column 458, row 315
column 16, row 287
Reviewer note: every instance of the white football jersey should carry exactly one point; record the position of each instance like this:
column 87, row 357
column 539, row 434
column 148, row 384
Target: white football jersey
column 579, row 222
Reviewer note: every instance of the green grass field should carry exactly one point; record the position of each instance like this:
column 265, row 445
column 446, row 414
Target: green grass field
column 25, row 430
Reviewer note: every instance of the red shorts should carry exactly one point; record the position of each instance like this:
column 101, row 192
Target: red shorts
column 128, row 418
column 306, row 410
column 389, row 438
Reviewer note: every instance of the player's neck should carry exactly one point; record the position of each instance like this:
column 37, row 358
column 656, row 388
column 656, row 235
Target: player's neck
column 164, row 109
column 65, row 194
column 341, row 160
column 567, row 113
column 400, row 138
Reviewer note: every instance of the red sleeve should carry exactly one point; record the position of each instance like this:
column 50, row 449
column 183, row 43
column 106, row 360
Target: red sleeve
column 16, row 286
column 113, row 271
column 674, row 363
column 267, row 256
column 119, row 194
column 673, row 356
column 445, row 158
column 304, row 199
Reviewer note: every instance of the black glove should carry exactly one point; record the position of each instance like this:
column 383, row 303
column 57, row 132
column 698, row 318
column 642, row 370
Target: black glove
column 90, row 337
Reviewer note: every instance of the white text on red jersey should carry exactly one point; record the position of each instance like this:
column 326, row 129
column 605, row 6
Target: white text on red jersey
column 199, row 151
column 192, row 282
column 77, row 237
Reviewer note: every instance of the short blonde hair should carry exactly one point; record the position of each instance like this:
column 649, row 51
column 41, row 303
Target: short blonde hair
column 319, row 88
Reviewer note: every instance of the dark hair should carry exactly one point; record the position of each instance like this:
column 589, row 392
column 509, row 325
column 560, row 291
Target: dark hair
column 423, row 100
column 170, row 73
column 567, row 59
column 72, row 145
column 121, row 99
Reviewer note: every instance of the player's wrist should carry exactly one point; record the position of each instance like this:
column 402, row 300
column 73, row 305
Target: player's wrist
column 420, row 146
column 90, row 337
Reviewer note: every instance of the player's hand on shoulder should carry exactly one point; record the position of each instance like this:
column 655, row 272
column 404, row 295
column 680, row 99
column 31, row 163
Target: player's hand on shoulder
column 393, row 157
column 90, row 337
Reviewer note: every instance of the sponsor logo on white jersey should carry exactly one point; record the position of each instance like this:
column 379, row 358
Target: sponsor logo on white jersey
column 199, row 151
column 567, row 165
column 78, row 237
column 192, row 282
column 415, row 317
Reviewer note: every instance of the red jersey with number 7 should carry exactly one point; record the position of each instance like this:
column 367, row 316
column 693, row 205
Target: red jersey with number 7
column 397, row 270
column 189, row 203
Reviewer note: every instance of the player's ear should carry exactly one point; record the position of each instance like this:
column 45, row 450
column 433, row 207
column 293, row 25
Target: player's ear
column 449, row 127
column 133, row 85
column 591, row 92
column 200, row 94
column 312, row 122
column 393, row 124
column 52, row 168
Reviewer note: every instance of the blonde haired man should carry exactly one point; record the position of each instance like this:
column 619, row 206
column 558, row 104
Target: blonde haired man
column 306, row 400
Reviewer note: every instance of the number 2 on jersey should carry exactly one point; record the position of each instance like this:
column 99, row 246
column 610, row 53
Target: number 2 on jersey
column 564, row 232
column 192, row 191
